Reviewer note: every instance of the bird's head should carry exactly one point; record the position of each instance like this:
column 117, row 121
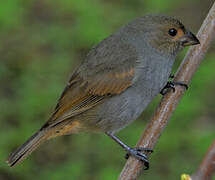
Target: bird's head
column 166, row 34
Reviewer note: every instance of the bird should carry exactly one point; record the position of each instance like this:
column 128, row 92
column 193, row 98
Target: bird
column 118, row 78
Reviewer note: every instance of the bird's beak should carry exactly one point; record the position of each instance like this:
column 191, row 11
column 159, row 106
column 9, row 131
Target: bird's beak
column 189, row 39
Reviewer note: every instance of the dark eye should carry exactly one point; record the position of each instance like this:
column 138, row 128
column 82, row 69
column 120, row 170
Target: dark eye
column 172, row 32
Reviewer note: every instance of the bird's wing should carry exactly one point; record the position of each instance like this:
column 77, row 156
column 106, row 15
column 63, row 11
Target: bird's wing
column 103, row 74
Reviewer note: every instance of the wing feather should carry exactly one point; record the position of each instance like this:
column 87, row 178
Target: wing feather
column 96, row 80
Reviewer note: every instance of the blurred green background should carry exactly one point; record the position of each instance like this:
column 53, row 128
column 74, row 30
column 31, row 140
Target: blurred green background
column 42, row 41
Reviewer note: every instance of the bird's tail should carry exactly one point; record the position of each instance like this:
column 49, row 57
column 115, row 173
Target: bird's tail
column 27, row 148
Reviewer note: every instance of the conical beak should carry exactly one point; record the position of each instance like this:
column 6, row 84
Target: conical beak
column 189, row 39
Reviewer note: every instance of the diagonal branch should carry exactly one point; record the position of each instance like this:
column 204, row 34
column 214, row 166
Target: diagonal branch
column 167, row 106
column 207, row 167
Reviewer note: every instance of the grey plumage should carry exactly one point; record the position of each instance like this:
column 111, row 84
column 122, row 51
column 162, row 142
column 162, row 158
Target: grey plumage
column 118, row 79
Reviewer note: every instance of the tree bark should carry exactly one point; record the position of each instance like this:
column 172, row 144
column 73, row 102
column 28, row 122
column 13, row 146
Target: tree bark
column 207, row 167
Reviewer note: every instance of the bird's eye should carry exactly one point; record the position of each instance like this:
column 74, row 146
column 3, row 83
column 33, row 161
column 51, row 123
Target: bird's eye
column 172, row 32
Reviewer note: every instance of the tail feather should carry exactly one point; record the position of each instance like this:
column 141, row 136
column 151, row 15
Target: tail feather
column 27, row 148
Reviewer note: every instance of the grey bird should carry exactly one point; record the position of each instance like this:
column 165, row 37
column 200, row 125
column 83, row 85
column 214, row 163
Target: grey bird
column 118, row 79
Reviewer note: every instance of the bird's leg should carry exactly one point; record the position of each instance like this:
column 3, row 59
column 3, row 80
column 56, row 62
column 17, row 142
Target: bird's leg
column 171, row 85
column 136, row 152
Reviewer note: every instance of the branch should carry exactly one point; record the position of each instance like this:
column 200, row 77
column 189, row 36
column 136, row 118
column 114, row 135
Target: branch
column 207, row 167
column 167, row 106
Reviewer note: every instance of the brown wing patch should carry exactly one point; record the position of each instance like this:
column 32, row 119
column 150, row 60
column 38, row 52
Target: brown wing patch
column 112, row 83
column 82, row 94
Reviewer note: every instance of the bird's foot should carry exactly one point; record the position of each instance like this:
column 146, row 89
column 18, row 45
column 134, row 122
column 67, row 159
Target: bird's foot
column 171, row 85
column 138, row 153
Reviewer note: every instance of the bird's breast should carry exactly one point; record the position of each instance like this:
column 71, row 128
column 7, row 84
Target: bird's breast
column 151, row 74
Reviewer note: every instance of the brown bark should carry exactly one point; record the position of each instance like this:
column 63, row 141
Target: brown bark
column 207, row 167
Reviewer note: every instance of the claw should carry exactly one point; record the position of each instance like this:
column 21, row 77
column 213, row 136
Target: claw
column 126, row 156
column 171, row 85
column 136, row 152
column 181, row 84
column 171, row 76
column 143, row 149
column 146, row 164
